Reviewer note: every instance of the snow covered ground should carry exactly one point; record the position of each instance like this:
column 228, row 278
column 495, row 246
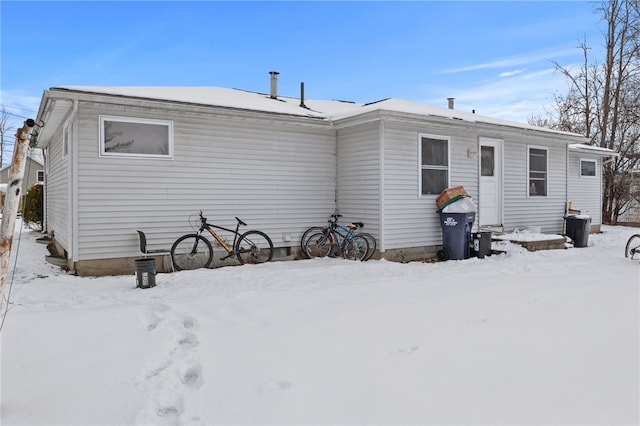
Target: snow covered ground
column 543, row 338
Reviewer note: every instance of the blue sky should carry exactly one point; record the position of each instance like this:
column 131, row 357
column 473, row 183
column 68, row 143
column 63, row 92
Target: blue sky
column 493, row 57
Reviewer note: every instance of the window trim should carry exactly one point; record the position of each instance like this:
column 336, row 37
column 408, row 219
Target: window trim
column 542, row 148
column 422, row 167
column 595, row 168
column 38, row 174
column 136, row 120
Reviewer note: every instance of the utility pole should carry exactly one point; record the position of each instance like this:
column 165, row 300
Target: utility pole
column 12, row 200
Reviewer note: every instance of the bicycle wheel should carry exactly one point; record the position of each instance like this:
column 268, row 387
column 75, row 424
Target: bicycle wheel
column 305, row 238
column 254, row 247
column 318, row 245
column 356, row 248
column 372, row 244
column 191, row 251
column 633, row 246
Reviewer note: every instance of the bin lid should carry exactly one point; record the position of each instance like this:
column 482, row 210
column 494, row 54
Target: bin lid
column 578, row 217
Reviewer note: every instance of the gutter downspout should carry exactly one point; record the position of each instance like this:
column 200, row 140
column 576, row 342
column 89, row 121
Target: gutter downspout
column 566, row 189
column 73, row 179
column 381, row 191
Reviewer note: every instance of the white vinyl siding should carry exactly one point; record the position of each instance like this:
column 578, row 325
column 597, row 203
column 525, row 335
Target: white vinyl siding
column 57, row 196
column 585, row 192
column 279, row 179
column 358, row 184
column 520, row 210
column 410, row 219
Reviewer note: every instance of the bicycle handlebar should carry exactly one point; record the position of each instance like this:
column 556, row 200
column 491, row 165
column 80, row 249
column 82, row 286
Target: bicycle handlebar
column 203, row 220
column 354, row 225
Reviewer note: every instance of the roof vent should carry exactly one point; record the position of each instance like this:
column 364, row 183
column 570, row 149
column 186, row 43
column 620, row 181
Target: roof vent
column 451, row 102
column 274, row 84
column 302, row 95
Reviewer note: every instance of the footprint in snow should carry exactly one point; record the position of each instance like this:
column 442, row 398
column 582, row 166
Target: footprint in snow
column 408, row 351
column 191, row 374
column 153, row 316
column 273, row 385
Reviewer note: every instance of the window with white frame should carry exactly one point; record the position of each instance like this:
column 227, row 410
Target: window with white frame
column 537, row 170
column 136, row 137
column 40, row 175
column 588, row 168
column 434, row 164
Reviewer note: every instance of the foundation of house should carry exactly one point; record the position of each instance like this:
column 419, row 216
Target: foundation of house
column 126, row 265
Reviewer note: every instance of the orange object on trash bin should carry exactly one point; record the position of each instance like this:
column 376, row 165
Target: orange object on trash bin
column 449, row 194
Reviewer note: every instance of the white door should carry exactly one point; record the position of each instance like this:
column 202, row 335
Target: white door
column 490, row 193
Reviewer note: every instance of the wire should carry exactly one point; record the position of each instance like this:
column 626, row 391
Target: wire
column 5, row 107
column 15, row 115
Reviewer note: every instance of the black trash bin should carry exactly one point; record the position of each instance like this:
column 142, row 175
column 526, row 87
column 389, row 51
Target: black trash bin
column 456, row 230
column 481, row 244
column 145, row 273
column 578, row 229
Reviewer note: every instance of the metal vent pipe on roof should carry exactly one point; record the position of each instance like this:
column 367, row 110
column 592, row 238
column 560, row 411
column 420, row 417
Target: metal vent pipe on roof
column 274, row 84
column 451, row 102
column 302, row 95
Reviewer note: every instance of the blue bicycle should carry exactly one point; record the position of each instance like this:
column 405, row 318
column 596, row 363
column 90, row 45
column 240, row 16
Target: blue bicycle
column 338, row 238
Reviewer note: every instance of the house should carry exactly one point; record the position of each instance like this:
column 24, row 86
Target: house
column 127, row 158
column 33, row 174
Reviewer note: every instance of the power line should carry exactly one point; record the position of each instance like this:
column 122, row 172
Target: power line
column 4, row 111
column 15, row 107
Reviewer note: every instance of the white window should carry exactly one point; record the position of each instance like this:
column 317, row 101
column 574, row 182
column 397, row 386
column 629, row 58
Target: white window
column 136, row 137
column 537, row 171
column 40, row 175
column 588, row 168
column 434, row 164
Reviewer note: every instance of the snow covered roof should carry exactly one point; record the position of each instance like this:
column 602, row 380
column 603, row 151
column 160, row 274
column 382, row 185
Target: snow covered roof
column 224, row 97
column 590, row 149
column 419, row 108
column 321, row 109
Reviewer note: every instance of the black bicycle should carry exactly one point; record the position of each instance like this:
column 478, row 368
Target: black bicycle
column 194, row 251
column 633, row 246
column 335, row 250
column 335, row 238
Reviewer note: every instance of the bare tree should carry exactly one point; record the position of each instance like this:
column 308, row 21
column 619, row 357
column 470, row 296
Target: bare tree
column 603, row 103
column 7, row 134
